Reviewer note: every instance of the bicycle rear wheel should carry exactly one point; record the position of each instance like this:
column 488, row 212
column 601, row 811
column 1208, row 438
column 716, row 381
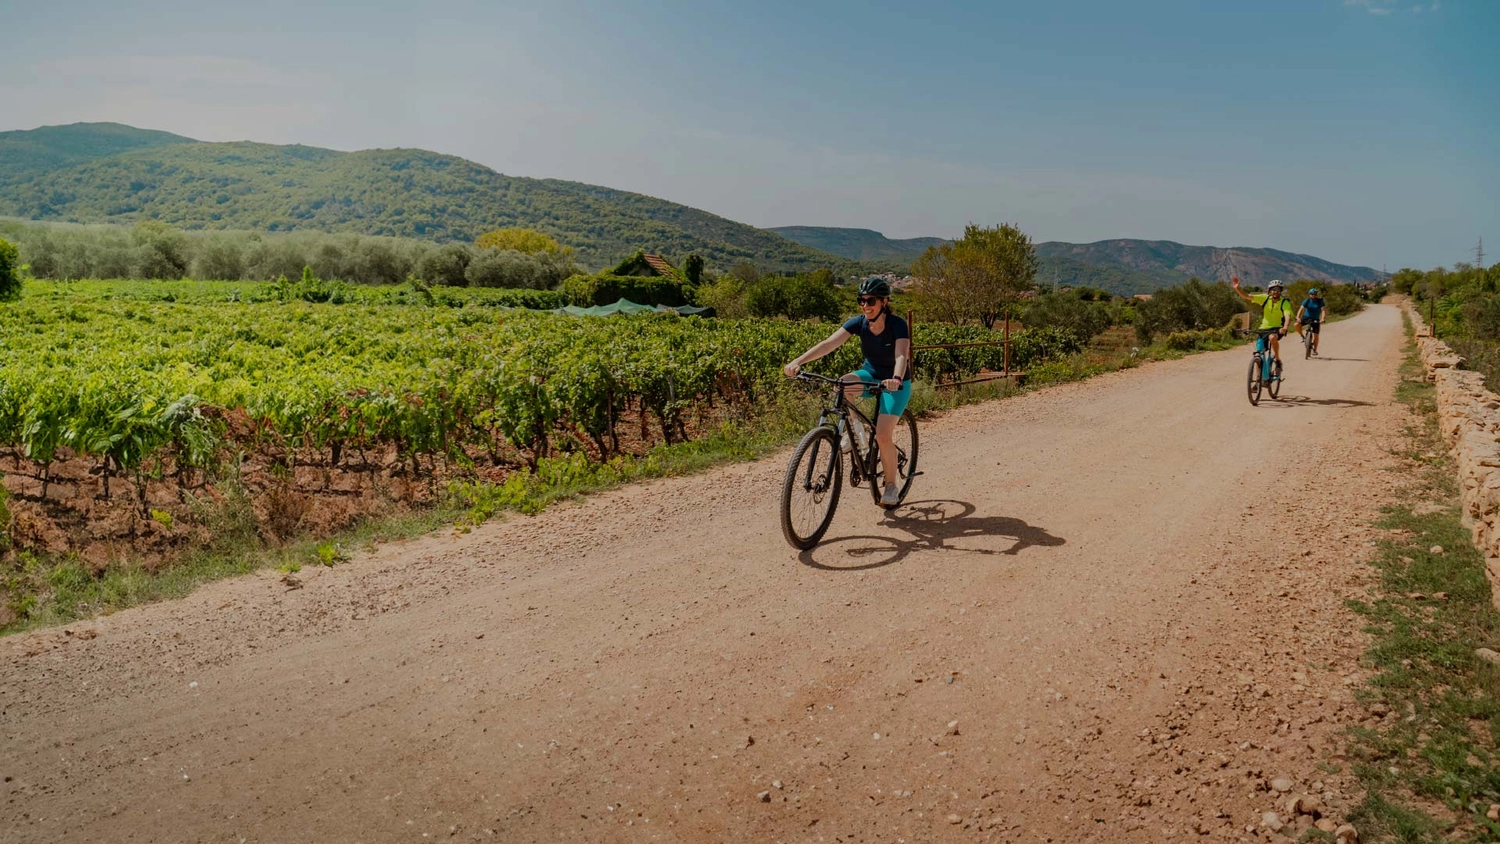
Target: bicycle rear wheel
column 810, row 491
column 1254, row 384
column 904, row 438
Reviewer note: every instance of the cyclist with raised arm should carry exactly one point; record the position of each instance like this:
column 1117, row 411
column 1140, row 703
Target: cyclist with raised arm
column 886, row 341
column 1310, row 316
column 1275, row 315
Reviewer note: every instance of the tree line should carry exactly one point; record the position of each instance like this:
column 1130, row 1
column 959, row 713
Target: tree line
column 154, row 250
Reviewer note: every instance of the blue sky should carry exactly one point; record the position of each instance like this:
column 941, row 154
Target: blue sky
column 1362, row 131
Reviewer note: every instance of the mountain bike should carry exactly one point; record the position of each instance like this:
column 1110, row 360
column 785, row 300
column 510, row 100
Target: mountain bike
column 1307, row 342
column 815, row 475
column 1262, row 366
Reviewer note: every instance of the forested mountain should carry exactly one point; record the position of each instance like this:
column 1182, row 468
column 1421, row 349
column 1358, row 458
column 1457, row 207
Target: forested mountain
column 859, row 244
column 112, row 173
column 1144, row 262
column 1122, row 266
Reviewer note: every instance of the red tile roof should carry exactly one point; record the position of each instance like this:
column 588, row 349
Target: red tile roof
column 661, row 265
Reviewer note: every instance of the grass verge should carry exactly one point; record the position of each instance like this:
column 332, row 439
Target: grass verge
column 1427, row 755
column 48, row 590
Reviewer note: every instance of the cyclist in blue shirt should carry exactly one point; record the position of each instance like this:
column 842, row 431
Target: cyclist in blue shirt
column 1310, row 316
column 886, row 341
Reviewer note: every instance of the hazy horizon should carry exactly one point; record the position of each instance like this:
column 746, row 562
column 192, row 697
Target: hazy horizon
column 1358, row 131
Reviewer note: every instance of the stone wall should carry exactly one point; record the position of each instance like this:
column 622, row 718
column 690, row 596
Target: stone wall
column 1469, row 417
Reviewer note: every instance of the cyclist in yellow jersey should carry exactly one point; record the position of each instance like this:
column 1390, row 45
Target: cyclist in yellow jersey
column 1275, row 314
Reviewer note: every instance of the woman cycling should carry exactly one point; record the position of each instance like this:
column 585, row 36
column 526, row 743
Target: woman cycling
column 886, row 341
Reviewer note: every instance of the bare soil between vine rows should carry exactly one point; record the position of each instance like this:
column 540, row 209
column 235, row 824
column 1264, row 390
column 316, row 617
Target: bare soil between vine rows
column 1094, row 621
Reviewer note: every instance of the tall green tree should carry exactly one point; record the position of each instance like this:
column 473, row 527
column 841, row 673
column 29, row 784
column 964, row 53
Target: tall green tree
column 10, row 272
column 693, row 269
column 979, row 277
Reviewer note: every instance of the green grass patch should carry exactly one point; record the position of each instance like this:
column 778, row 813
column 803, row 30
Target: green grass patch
column 1429, row 765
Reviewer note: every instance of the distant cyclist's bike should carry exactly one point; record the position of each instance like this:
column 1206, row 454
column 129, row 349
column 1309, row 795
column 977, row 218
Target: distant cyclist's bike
column 815, row 477
column 1262, row 368
column 1307, row 342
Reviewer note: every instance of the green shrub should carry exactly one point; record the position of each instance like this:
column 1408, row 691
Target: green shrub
column 725, row 294
column 1191, row 341
column 1034, row 345
column 589, row 290
column 1069, row 310
column 1193, row 306
column 506, row 268
column 811, row 296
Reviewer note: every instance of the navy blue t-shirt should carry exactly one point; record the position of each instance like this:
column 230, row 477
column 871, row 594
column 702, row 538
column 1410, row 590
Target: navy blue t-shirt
column 1314, row 308
column 880, row 349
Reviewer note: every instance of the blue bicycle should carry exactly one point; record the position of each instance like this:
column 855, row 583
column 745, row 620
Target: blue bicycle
column 1262, row 366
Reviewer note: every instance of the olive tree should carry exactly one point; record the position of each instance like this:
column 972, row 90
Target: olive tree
column 979, row 277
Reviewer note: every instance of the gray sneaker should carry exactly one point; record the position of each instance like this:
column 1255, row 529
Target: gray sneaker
column 891, row 497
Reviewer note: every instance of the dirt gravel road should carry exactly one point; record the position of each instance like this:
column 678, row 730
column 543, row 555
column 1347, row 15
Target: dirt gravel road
column 1093, row 622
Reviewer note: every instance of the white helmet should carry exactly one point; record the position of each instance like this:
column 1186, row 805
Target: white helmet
column 1275, row 284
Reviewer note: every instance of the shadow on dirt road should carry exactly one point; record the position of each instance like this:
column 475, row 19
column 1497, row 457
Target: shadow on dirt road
column 932, row 526
column 1299, row 401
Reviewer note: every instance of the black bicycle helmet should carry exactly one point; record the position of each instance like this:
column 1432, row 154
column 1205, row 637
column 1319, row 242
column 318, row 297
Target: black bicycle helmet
column 875, row 286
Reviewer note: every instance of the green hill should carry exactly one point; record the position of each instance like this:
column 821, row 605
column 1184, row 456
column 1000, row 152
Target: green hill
column 112, row 173
column 33, row 153
column 859, row 244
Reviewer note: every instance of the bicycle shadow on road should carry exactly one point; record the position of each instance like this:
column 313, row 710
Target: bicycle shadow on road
column 1299, row 401
column 1357, row 360
column 930, row 526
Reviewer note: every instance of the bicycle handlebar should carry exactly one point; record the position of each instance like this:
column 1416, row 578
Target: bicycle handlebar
column 815, row 377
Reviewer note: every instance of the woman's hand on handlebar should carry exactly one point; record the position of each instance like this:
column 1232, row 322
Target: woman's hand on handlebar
column 792, row 369
column 891, row 384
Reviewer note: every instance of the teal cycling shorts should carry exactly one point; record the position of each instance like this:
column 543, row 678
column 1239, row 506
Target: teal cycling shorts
column 890, row 403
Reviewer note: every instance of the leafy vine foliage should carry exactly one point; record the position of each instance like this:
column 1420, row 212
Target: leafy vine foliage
column 169, row 378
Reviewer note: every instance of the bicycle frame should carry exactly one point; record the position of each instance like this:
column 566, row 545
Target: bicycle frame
column 836, row 417
column 1263, row 353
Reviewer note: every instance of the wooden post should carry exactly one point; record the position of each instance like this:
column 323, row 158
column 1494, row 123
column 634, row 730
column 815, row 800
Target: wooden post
column 1431, row 316
column 1007, row 343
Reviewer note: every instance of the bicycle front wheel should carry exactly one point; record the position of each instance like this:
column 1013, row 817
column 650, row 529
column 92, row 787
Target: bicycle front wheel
column 904, row 438
column 1307, row 344
column 810, row 491
column 1254, row 384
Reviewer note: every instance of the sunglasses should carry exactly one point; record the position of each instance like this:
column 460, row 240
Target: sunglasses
column 869, row 300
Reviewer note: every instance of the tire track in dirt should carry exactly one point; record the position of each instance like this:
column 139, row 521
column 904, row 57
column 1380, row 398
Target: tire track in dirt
column 1091, row 623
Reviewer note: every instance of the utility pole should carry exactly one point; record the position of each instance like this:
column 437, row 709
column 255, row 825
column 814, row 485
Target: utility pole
column 1479, row 254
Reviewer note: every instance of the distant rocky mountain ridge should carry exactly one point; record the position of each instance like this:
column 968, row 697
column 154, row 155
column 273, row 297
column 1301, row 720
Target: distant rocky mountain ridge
column 859, row 244
column 1123, row 266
